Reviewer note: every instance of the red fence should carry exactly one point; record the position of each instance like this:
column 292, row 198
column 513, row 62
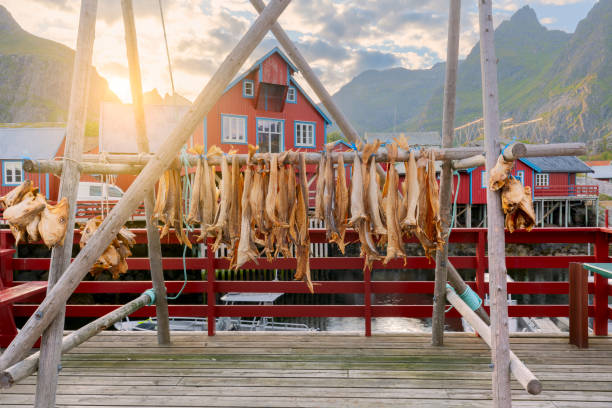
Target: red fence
column 571, row 190
column 599, row 238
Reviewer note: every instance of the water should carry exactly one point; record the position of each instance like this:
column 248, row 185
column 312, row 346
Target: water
column 379, row 325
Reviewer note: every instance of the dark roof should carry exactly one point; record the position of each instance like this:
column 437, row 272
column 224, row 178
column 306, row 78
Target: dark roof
column 557, row 164
column 30, row 142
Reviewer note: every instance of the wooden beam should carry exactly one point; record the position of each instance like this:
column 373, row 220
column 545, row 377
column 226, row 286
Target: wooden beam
column 109, row 228
column 459, row 285
column 26, row 367
column 153, row 243
column 50, row 346
column 500, row 345
column 446, row 178
column 133, row 164
column 522, row 374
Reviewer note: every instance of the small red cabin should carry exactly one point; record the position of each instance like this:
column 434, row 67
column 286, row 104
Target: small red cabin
column 265, row 106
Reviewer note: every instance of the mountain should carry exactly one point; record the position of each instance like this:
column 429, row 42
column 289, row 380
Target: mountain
column 35, row 78
column 375, row 100
column 564, row 78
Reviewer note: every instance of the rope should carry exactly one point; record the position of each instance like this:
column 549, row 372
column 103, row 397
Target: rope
column 470, row 297
column 161, row 13
column 454, row 209
column 151, row 294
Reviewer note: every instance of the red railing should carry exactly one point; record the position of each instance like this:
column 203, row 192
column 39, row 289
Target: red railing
column 571, row 190
column 599, row 238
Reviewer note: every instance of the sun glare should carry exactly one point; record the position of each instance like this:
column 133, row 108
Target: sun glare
column 121, row 88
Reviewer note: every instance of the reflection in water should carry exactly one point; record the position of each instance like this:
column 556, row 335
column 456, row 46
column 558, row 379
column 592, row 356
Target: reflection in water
column 379, row 325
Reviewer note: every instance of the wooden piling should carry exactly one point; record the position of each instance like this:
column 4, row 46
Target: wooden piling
column 50, row 347
column 500, row 345
column 446, row 178
column 109, row 228
column 153, row 242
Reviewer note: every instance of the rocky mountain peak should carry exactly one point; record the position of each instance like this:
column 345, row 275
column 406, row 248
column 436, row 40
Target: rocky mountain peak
column 7, row 22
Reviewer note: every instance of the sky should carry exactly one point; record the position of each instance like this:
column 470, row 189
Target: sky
column 339, row 38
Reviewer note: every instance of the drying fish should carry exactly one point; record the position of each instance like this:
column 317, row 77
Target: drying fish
column 22, row 213
column 246, row 247
column 169, row 205
column 357, row 195
column 282, row 210
column 319, row 210
column 19, row 233
column 113, row 259
column 272, row 194
column 328, row 198
column 341, row 203
column 235, row 209
column 32, row 229
column 429, row 228
column 500, row 173
column 511, row 195
column 373, row 193
column 392, row 202
column 411, row 194
column 53, row 223
column 302, row 271
column 256, row 199
column 219, row 230
column 524, row 216
column 194, row 216
column 15, row 195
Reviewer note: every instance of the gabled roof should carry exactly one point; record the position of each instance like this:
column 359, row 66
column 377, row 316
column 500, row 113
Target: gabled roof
column 257, row 65
column 38, row 143
column 602, row 172
column 414, row 138
column 557, row 164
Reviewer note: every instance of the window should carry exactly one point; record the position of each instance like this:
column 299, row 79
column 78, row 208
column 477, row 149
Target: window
column 541, row 179
column 95, row 191
column 269, row 135
column 291, row 95
column 248, row 88
column 520, row 175
column 304, row 134
column 114, row 192
column 484, row 180
column 233, row 129
column 13, row 172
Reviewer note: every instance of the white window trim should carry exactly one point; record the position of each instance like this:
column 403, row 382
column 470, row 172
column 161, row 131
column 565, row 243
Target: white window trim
column 244, row 88
column 303, row 124
column 542, row 180
column 13, row 165
column 225, row 139
column 294, row 99
column 483, row 179
column 520, row 175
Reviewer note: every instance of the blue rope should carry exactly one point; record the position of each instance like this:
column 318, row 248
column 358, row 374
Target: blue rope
column 454, row 212
column 470, row 297
column 151, row 294
column 184, row 277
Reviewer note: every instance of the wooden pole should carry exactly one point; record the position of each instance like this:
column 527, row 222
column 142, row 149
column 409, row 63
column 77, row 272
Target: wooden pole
column 500, row 345
column 459, row 285
column 463, row 157
column 446, row 178
column 24, row 368
column 109, row 228
column 522, row 374
column 153, row 242
column 50, row 347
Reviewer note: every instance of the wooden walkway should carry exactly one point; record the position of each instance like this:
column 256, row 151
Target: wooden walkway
column 317, row 370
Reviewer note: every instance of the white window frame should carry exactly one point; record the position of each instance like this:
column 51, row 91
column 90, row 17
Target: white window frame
column 542, row 180
column 246, row 94
column 12, row 166
column 235, row 132
column 483, row 179
column 520, row 174
column 268, row 132
column 292, row 95
column 304, row 140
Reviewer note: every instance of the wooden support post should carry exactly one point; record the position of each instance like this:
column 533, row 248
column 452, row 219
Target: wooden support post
column 601, row 248
column 50, row 347
column 468, row 216
column 500, row 344
column 481, row 266
column 578, row 305
column 24, row 368
column 446, row 178
column 522, row 374
column 109, row 228
column 210, row 288
column 367, row 300
column 153, row 242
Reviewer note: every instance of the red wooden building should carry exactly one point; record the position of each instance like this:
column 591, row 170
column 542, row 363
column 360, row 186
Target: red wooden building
column 265, row 106
column 553, row 185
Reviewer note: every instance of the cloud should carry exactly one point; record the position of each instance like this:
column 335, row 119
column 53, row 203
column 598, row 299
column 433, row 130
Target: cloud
column 548, row 20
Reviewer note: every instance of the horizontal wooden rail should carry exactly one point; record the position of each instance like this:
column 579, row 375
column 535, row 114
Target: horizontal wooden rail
column 571, row 190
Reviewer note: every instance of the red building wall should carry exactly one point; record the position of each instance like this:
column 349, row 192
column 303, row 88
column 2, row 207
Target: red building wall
column 274, row 70
column 479, row 193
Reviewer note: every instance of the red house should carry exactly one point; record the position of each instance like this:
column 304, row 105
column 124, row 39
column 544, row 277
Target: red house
column 265, row 106
column 553, row 185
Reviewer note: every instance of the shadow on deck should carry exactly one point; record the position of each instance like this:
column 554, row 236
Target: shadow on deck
column 318, row 370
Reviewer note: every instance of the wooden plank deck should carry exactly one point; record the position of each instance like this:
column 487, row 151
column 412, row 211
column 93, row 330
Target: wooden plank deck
column 259, row 369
